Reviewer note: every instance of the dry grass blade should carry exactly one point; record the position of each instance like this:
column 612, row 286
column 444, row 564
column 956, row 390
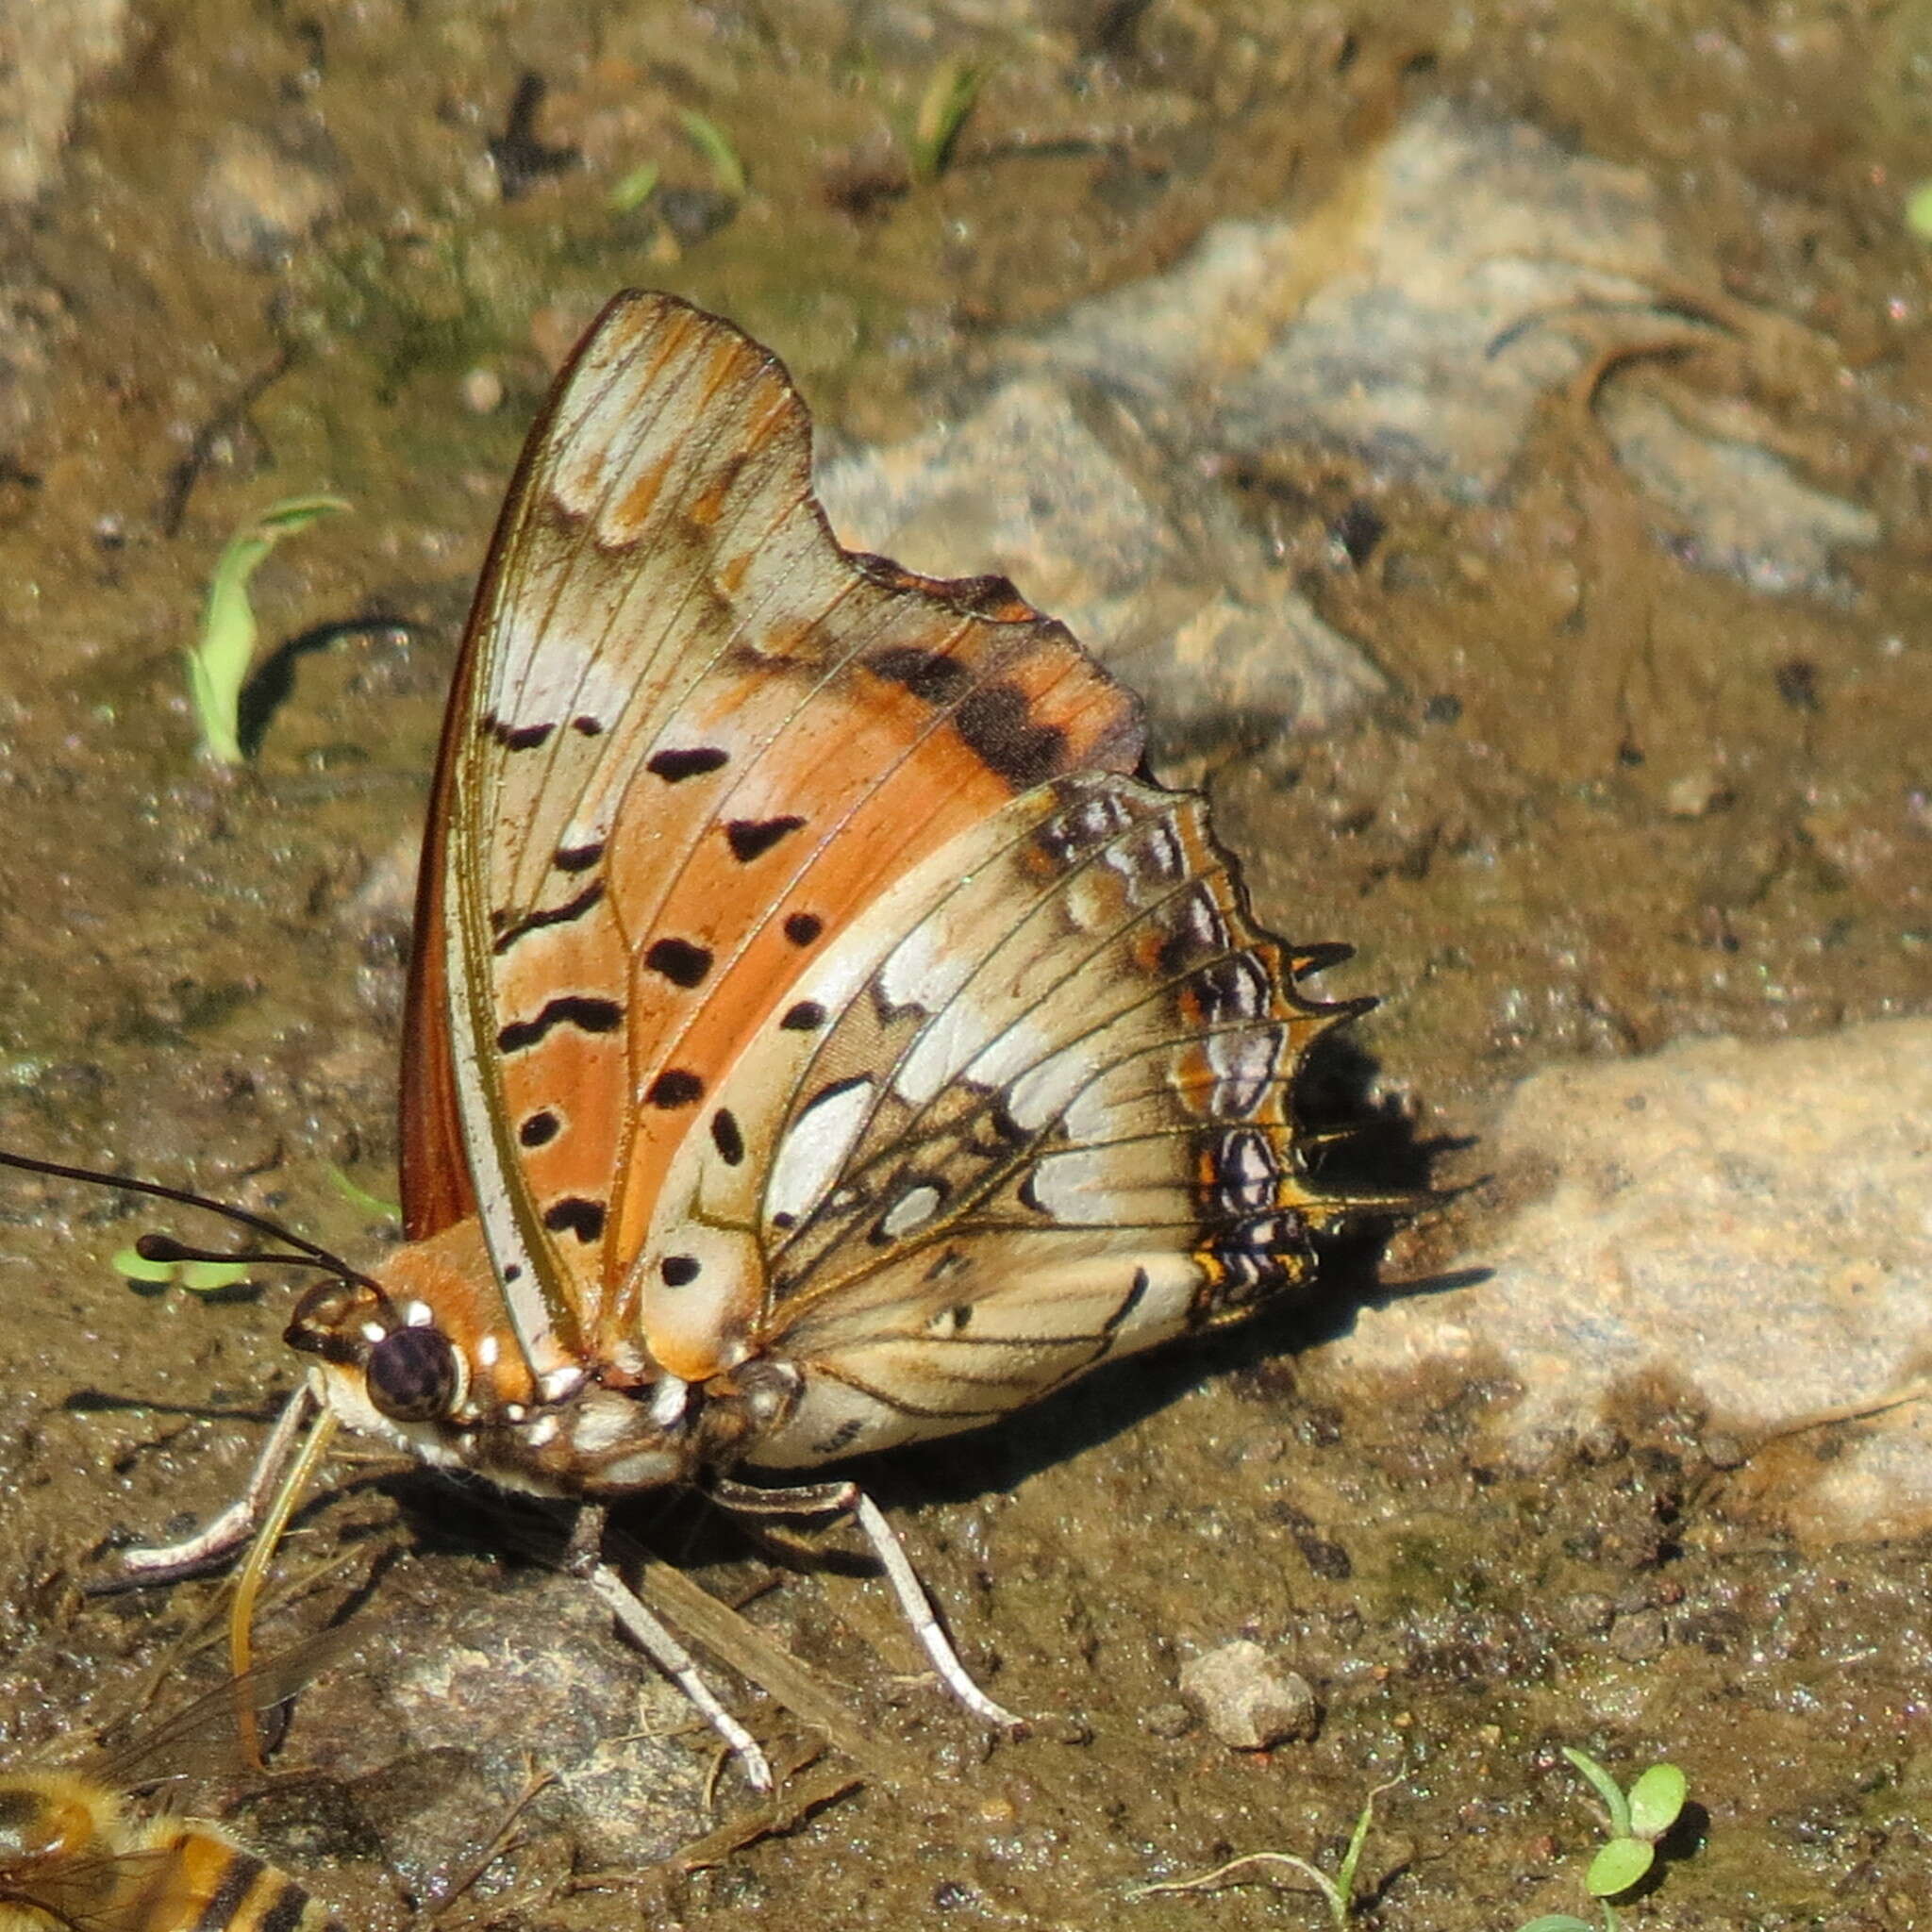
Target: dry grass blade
column 773, row 1669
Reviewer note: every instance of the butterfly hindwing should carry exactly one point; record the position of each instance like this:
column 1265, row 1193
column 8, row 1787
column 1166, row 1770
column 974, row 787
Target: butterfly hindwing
column 1043, row 1117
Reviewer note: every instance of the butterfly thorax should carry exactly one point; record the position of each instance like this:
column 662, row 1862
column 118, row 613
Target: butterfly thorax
column 412, row 1356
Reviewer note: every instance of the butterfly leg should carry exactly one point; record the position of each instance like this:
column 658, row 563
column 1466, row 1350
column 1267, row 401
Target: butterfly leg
column 848, row 1499
column 236, row 1525
column 671, row 1656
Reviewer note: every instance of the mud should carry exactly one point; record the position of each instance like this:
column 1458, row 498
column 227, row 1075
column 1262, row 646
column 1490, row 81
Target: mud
column 269, row 256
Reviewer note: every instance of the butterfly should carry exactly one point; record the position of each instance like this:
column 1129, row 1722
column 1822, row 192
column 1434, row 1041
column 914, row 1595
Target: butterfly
column 821, row 1034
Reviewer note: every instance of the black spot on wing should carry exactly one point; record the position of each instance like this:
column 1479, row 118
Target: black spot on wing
column 549, row 915
column 807, row 1016
column 681, row 962
column 674, row 767
column 1129, row 1302
column 674, row 1087
column 750, row 838
column 540, row 1129
column 577, row 857
column 568, row 1009
column 678, row 1269
column 573, row 1215
column 997, row 723
column 847, row 1431
column 590, row 727
column 802, row 929
column 927, row 674
column 517, row 737
column 727, row 1138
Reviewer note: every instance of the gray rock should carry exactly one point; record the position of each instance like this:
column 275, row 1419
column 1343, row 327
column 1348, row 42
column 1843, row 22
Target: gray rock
column 1751, row 515
column 1249, row 1699
column 1422, row 316
column 1414, row 318
column 1748, row 1226
column 255, row 202
column 49, row 49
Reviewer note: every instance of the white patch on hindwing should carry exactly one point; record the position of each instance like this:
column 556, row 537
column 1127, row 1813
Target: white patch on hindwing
column 815, row 1147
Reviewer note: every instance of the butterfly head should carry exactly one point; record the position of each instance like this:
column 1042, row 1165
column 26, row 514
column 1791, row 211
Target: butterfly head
column 418, row 1355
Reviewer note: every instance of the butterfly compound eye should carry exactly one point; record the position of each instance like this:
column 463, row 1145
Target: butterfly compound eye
column 412, row 1376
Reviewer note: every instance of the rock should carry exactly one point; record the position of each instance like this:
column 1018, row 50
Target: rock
column 48, row 50
column 1638, row 1636
column 254, row 201
column 1171, row 1720
column 1381, row 324
column 1752, row 516
column 1248, row 1699
column 1748, row 1227
column 1421, row 316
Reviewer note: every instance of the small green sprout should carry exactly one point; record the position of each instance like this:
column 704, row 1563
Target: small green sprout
column 1918, row 210
column 1338, row 1892
column 941, row 112
column 219, row 658
column 360, row 1197
column 632, row 190
column 199, row 1277
column 728, row 171
column 1637, row 1819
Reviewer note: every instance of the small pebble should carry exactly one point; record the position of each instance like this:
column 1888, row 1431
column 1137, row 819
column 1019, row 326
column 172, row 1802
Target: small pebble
column 1691, row 795
column 1248, row 1699
column 1174, row 1720
column 482, row 392
column 1589, row 1613
column 1637, row 1637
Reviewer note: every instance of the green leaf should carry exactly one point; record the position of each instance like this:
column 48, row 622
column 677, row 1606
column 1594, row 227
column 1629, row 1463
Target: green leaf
column 360, row 1197
column 1657, row 1800
column 219, row 658
column 136, row 1266
column 711, row 142
column 631, row 190
column 1618, row 1867
column 1344, row 1875
column 209, row 1278
column 1918, row 210
column 1605, row 1788
column 942, row 109
column 1557, row 1921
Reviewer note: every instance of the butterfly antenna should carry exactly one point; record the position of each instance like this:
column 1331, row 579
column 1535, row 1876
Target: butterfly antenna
column 161, row 1247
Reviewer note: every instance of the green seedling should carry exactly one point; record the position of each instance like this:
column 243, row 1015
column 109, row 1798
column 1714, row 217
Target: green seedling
column 1918, row 210
column 1637, row 1819
column 728, row 171
column 1338, row 1892
column 360, row 1198
column 941, row 112
column 219, row 658
column 199, row 1277
column 631, row 190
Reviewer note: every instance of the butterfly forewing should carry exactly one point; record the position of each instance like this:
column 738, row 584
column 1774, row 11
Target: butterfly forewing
column 694, row 740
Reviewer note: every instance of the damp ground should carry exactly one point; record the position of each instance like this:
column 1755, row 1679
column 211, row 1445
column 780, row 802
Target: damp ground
column 1613, row 785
